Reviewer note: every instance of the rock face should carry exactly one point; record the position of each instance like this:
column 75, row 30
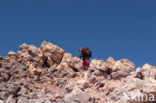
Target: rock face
column 50, row 75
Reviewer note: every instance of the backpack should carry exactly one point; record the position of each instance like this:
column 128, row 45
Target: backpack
column 88, row 52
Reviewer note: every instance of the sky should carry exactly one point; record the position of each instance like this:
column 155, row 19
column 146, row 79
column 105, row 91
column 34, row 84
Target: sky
column 110, row 28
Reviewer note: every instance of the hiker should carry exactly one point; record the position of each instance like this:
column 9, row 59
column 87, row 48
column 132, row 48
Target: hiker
column 85, row 55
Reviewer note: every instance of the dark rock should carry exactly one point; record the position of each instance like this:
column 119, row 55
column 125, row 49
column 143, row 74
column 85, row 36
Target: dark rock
column 86, row 85
column 101, row 85
column 4, row 77
column 98, row 73
column 118, row 75
column 24, row 68
column 0, row 65
column 1, row 58
column 139, row 75
column 92, row 80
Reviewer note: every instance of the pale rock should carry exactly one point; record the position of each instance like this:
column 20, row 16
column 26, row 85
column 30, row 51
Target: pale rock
column 66, row 58
column 76, row 63
column 37, row 71
column 52, row 51
column 124, row 64
column 24, row 46
column 1, row 101
column 11, row 53
column 50, row 62
column 148, row 66
column 98, row 64
column 110, row 62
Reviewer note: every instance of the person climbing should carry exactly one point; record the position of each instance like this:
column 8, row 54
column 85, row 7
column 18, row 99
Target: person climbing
column 85, row 55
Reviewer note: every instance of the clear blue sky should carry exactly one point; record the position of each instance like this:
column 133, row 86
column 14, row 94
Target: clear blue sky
column 116, row 28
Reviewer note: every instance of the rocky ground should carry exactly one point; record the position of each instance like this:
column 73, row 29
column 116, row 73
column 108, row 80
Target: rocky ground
column 50, row 75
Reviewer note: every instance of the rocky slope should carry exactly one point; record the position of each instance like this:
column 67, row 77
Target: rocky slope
column 50, row 75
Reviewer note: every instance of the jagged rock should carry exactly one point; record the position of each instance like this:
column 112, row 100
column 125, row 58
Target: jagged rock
column 98, row 73
column 52, row 51
column 139, row 75
column 110, row 62
column 98, row 64
column 66, row 58
column 11, row 53
column 148, row 66
column 24, row 46
column 48, row 74
column 119, row 74
column 92, row 80
column 124, row 64
column 76, row 63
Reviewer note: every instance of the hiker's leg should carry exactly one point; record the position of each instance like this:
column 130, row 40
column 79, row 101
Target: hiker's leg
column 84, row 64
column 87, row 63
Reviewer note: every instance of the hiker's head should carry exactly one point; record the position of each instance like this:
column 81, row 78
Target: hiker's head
column 80, row 49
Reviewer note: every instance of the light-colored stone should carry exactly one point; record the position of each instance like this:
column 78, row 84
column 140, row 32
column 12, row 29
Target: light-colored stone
column 110, row 62
column 124, row 64
column 52, row 51
column 148, row 66
column 1, row 101
column 76, row 63
column 97, row 64
column 12, row 55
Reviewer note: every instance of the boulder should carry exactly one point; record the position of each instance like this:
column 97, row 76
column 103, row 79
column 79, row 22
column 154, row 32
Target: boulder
column 11, row 53
column 110, row 62
column 76, row 63
column 124, row 65
column 148, row 66
column 98, row 64
column 92, row 80
column 119, row 74
column 52, row 51
column 66, row 58
column 98, row 73
column 86, row 85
